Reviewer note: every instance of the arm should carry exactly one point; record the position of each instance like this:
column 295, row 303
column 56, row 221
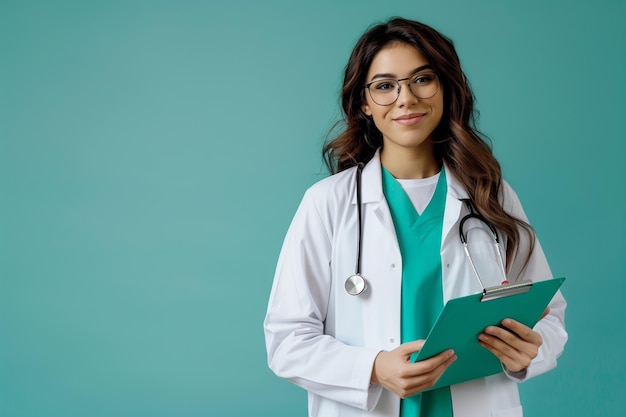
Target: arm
column 297, row 347
column 526, row 352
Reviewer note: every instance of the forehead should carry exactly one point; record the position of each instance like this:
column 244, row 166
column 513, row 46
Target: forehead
column 396, row 59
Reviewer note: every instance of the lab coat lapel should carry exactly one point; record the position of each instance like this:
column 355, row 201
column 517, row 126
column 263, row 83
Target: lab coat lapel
column 452, row 213
column 373, row 197
column 452, row 256
column 371, row 181
column 381, row 263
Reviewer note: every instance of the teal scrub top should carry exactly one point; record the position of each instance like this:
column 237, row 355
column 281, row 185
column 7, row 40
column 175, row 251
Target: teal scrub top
column 419, row 238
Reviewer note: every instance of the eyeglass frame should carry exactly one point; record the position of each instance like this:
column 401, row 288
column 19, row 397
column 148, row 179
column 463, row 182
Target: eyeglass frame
column 367, row 87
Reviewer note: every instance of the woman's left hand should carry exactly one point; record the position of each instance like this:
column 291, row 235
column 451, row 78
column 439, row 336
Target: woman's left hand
column 515, row 344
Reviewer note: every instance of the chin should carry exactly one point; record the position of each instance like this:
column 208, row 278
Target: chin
column 413, row 142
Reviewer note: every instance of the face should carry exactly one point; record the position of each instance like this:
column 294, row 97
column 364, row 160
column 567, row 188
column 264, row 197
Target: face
column 407, row 124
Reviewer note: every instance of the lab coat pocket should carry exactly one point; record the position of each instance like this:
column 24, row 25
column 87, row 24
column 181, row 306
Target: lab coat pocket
column 511, row 412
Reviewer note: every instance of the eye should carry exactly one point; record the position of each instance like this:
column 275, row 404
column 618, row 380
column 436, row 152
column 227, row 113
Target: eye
column 385, row 85
column 423, row 79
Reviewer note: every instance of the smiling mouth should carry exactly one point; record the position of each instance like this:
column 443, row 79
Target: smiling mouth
column 409, row 119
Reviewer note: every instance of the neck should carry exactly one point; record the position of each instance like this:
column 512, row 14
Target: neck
column 409, row 163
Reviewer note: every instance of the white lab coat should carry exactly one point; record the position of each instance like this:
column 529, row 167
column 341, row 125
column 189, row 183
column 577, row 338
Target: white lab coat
column 324, row 340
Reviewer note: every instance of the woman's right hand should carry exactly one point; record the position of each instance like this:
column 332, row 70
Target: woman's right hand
column 394, row 370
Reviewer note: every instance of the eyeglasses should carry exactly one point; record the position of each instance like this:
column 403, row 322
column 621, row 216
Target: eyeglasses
column 386, row 91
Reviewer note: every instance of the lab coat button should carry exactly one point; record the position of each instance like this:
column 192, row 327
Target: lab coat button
column 390, row 340
column 393, row 265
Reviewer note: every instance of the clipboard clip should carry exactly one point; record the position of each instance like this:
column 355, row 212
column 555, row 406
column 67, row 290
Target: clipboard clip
column 506, row 290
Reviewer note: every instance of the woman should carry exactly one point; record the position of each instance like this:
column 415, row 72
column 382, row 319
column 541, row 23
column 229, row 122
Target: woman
column 410, row 121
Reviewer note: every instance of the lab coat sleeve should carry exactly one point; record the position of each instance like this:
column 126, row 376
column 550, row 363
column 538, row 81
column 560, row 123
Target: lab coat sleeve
column 297, row 347
column 552, row 327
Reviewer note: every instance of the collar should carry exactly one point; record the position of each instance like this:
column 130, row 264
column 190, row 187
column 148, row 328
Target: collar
column 372, row 184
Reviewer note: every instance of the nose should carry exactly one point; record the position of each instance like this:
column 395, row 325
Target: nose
column 405, row 95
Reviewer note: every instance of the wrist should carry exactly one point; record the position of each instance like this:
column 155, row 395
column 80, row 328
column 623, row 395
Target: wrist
column 374, row 376
column 521, row 374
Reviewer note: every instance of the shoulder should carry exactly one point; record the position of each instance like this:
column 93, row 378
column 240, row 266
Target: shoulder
column 324, row 204
column 326, row 201
column 509, row 200
column 335, row 189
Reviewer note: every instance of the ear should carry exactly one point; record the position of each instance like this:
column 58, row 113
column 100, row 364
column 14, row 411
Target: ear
column 366, row 109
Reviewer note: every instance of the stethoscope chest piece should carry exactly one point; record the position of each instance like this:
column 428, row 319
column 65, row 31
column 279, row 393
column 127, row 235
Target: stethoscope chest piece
column 355, row 284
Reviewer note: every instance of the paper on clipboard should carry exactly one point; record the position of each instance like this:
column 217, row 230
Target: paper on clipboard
column 463, row 319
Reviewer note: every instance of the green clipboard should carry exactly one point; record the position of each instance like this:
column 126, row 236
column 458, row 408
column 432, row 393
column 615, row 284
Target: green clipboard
column 463, row 319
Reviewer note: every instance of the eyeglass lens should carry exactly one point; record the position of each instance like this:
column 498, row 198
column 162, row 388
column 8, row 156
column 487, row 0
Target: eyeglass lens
column 386, row 91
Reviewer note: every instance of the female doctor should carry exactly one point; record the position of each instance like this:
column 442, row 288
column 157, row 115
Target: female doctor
column 408, row 167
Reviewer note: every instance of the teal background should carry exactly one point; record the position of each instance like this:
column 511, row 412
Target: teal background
column 152, row 154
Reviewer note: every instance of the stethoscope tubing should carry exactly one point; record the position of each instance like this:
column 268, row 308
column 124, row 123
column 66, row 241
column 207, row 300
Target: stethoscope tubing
column 356, row 284
column 359, row 171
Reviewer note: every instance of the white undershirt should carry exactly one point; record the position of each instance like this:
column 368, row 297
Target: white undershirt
column 420, row 191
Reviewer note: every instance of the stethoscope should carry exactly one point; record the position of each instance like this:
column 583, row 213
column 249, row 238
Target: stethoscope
column 356, row 284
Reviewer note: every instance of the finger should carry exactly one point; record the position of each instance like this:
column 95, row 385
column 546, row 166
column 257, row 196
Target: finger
column 504, row 348
column 427, row 379
column 411, row 347
column 430, row 364
column 520, row 330
column 513, row 358
column 414, row 370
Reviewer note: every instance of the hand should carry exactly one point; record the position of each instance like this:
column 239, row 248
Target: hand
column 394, row 370
column 515, row 344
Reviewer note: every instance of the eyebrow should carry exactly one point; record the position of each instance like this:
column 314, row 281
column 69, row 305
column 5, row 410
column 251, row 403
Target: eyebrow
column 389, row 75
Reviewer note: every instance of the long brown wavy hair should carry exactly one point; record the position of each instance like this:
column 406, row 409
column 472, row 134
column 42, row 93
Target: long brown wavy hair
column 457, row 141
